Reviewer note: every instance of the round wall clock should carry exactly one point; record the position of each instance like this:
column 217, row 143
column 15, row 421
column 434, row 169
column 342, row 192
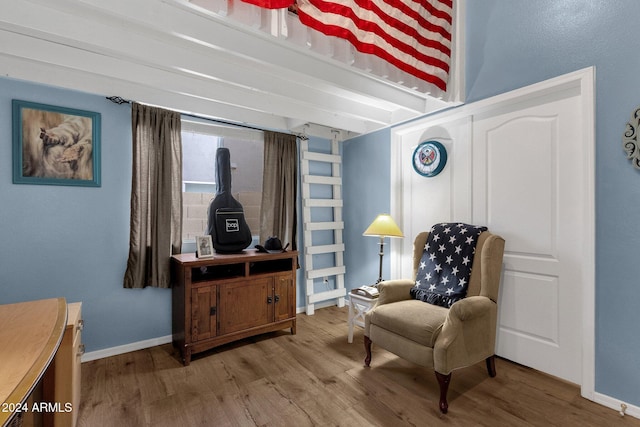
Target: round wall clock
column 429, row 158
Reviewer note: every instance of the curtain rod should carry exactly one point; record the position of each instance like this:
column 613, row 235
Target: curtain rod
column 119, row 100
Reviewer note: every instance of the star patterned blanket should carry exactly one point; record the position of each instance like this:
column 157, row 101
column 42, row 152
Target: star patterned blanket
column 445, row 266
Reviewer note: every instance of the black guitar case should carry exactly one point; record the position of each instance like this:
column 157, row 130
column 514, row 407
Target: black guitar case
column 226, row 224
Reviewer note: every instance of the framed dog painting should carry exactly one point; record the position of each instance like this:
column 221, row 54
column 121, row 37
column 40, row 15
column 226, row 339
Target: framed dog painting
column 55, row 145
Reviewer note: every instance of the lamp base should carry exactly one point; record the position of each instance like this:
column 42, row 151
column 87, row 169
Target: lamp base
column 381, row 255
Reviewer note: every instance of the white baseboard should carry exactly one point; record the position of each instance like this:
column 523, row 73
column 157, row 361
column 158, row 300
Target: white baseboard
column 140, row 345
column 322, row 304
column 616, row 405
column 121, row 349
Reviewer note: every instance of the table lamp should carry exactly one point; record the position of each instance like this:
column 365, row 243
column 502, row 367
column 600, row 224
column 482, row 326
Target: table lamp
column 383, row 226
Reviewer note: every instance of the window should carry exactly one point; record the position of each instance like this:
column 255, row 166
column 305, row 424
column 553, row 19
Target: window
column 200, row 140
column 198, row 162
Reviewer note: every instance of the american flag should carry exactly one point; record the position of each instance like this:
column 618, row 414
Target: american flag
column 445, row 266
column 413, row 35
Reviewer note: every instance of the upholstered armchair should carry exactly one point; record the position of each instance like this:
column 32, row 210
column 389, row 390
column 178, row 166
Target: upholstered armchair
column 434, row 336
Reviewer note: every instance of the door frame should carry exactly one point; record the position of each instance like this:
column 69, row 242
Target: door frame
column 583, row 83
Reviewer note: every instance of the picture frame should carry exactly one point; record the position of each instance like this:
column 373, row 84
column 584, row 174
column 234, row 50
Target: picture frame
column 55, row 145
column 204, row 247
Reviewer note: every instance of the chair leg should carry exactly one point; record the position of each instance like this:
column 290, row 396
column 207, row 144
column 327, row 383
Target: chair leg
column 443, row 381
column 367, row 349
column 491, row 365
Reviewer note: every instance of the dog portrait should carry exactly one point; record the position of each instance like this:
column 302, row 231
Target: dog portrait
column 55, row 145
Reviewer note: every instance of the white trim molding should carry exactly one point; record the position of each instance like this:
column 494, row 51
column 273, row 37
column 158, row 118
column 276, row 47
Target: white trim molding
column 623, row 408
column 121, row 349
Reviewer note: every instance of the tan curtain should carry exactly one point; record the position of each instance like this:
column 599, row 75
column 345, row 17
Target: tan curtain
column 279, row 188
column 156, row 196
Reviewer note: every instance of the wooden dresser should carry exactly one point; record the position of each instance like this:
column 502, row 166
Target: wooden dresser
column 229, row 297
column 30, row 336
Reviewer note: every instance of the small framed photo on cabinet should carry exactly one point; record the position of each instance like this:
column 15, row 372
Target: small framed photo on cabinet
column 204, row 247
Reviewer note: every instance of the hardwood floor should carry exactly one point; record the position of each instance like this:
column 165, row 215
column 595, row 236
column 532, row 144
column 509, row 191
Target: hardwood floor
column 315, row 378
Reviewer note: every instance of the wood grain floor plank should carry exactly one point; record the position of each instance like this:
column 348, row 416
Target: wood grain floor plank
column 316, row 378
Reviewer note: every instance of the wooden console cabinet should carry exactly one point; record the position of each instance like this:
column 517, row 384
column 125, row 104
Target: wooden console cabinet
column 229, row 297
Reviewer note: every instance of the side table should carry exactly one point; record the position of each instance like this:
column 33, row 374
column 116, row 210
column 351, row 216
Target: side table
column 358, row 306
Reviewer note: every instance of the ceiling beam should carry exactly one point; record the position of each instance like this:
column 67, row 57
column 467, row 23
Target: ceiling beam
column 174, row 54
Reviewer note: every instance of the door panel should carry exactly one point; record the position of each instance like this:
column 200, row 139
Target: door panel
column 203, row 312
column 526, row 289
column 522, row 182
column 521, row 193
column 245, row 304
column 284, row 297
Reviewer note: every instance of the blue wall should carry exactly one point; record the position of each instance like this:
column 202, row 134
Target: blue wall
column 366, row 176
column 514, row 43
column 74, row 241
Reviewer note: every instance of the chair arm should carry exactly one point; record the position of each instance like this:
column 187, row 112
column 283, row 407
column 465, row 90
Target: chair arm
column 470, row 308
column 468, row 334
column 394, row 290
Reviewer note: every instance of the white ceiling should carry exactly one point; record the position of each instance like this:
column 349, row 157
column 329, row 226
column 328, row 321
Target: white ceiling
column 178, row 55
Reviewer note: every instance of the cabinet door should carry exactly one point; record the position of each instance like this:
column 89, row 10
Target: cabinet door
column 284, row 297
column 246, row 304
column 204, row 304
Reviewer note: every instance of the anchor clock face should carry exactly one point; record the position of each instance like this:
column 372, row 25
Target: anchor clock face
column 429, row 158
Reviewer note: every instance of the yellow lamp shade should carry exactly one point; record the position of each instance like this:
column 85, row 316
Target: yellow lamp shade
column 383, row 226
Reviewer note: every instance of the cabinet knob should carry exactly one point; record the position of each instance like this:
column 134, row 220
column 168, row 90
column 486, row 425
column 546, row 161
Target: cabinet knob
column 269, row 299
column 277, row 298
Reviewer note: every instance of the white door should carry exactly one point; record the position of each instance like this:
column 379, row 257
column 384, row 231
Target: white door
column 529, row 187
column 521, row 163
